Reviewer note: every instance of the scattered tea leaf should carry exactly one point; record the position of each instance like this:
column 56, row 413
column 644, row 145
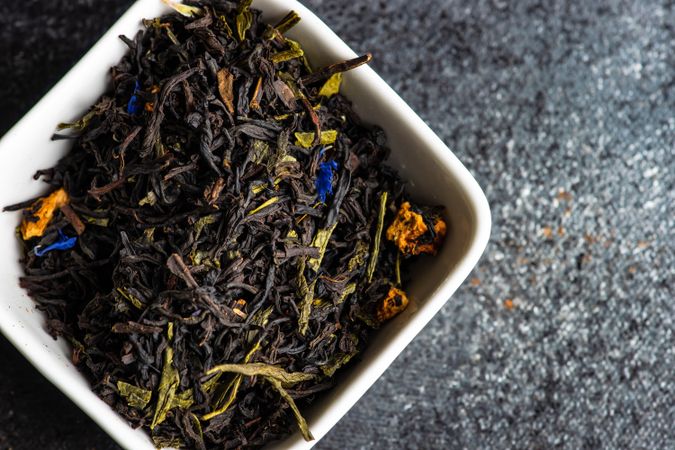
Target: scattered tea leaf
column 331, row 86
column 136, row 397
column 302, row 423
column 168, row 384
column 378, row 236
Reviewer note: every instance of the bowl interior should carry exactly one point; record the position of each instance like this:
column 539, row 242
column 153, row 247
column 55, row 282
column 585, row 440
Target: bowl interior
column 434, row 176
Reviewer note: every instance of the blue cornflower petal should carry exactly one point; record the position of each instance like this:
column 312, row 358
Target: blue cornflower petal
column 133, row 107
column 324, row 179
column 63, row 243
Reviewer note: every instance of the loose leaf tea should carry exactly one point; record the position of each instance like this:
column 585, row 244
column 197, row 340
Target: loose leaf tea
column 224, row 234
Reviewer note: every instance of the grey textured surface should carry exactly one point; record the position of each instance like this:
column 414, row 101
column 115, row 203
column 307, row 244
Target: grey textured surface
column 565, row 113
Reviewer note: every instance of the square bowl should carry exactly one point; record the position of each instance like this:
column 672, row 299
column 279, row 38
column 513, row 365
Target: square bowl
column 433, row 172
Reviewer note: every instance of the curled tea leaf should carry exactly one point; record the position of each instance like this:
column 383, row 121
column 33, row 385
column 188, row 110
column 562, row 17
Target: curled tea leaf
column 226, row 89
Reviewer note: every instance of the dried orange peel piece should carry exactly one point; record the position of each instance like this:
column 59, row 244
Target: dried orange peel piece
column 395, row 302
column 409, row 229
column 42, row 213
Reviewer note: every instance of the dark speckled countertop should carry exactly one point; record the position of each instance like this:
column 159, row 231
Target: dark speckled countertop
column 564, row 335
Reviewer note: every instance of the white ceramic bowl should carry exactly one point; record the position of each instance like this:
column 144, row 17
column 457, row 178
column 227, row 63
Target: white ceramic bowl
column 435, row 176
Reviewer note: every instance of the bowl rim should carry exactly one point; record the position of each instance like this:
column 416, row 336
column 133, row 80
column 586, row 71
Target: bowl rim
column 474, row 196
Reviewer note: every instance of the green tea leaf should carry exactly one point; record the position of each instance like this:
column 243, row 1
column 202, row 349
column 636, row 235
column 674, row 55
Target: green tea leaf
column 183, row 400
column 302, row 423
column 321, row 242
column 360, row 256
column 244, row 18
column 149, row 234
column 185, row 10
column 80, row 124
column 198, row 426
column 100, row 221
column 149, row 199
column 136, row 397
column 332, row 85
column 262, row 369
column 260, row 151
column 306, row 140
column 305, row 306
column 336, row 362
column 378, row 237
column 167, row 442
column 348, row 290
column 168, row 383
column 204, row 221
column 233, row 389
column 225, row 25
column 294, row 51
column 131, row 298
column 267, row 203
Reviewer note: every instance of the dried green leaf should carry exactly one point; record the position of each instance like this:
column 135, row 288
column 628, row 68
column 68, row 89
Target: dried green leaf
column 332, row 85
column 335, row 363
column 260, row 151
column 185, row 10
column 267, row 203
column 168, row 442
column 262, row 369
column 149, row 234
column 321, row 242
column 168, row 383
column 360, row 256
column 149, row 199
column 305, row 307
column 80, row 124
column 131, row 298
column 100, row 221
column 244, row 18
column 294, row 51
column 204, row 221
column 346, row 292
column 136, row 397
column 183, row 400
column 198, row 426
column 378, row 236
column 225, row 25
column 302, row 423
column 306, row 140
column 233, row 389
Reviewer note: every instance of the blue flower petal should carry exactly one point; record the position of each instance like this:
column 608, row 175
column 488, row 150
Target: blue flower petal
column 134, row 107
column 324, row 179
column 63, row 243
